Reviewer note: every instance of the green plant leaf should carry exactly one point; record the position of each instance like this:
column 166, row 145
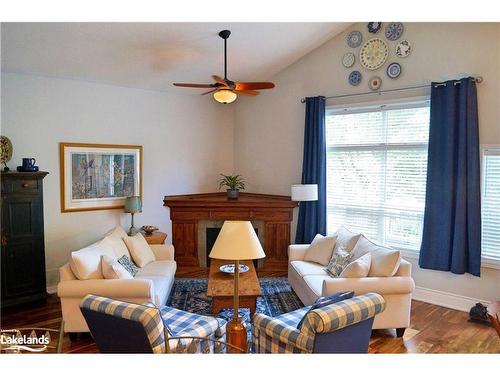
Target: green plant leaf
column 235, row 182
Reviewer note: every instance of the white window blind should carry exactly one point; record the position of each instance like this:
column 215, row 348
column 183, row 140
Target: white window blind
column 376, row 171
column 491, row 204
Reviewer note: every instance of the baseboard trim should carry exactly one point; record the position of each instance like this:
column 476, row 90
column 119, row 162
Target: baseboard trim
column 52, row 289
column 445, row 299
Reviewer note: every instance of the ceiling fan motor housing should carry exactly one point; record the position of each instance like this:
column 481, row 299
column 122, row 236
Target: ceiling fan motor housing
column 224, row 34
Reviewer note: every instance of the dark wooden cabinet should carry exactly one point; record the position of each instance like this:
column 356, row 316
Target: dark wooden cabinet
column 22, row 238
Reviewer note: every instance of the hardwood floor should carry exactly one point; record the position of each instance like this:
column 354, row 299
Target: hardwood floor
column 433, row 329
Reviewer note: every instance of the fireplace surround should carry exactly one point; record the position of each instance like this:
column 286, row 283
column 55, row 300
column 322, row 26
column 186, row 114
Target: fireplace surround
column 192, row 214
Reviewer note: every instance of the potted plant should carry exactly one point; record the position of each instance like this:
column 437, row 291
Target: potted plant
column 233, row 184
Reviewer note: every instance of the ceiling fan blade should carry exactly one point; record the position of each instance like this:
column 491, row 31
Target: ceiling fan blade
column 247, row 92
column 253, row 85
column 195, row 85
column 219, row 80
column 208, row 92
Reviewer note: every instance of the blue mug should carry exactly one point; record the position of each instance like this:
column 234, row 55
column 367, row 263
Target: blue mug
column 29, row 162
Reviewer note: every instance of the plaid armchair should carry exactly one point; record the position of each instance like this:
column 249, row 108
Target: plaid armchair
column 343, row 327
column 123, row 327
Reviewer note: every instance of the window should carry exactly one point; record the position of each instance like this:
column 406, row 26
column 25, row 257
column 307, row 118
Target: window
column 377, row 169
column 491, row 204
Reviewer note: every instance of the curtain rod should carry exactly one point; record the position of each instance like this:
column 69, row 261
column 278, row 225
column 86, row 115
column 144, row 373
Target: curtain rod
column 478, row 79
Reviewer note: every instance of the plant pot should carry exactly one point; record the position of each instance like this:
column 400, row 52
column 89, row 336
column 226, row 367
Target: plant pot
column 233, row 193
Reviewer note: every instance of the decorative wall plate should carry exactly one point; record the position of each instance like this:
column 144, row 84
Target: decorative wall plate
column 394, row 30
column 374, row 27
column 375, row 83
column 373, row 54
column 348, row 59
column 355, row 78
column 403, row 49
column 393, row 70
column 5, row 150
column 354, row 39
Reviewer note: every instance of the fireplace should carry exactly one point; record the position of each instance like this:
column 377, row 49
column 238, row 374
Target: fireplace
column 208, row 230
column 192, row 214
column 211, row 237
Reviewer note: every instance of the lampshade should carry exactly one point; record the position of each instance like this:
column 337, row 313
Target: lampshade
column 305, row 192
column 225, row 96
column 133, row 204
column 237, row 241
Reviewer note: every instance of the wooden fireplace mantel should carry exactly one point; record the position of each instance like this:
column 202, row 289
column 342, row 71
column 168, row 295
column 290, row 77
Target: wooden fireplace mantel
column 276, row 211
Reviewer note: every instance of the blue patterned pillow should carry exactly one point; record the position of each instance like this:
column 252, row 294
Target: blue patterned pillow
column 325, row 301
column 341, row 257
column 128, row 265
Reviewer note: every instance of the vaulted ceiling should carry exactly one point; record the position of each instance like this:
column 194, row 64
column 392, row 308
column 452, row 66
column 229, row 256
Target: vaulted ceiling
column 154, row 55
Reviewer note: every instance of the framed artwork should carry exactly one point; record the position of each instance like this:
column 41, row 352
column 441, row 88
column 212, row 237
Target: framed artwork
column 98, row 176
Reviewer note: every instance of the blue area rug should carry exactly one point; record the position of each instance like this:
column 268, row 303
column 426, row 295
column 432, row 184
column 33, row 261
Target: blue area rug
column 277, row 298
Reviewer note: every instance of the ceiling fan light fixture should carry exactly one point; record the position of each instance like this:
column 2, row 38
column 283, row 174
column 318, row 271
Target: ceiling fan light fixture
column 225, row 96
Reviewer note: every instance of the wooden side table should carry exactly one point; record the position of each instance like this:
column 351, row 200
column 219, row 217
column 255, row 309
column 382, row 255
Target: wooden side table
column 155, row 238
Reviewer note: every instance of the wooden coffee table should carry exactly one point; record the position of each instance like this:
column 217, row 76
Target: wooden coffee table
column 221, row 287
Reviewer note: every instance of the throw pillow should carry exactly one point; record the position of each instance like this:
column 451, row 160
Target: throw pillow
column 325, row 301
column 363, row 246
column 117, row 232
column 128, row 265
column 321, row 249
column 385, row 260
column 117, row 246
column 347, row 238
column 111, row 269
column 140, row 250
column 86, row 263
column 358, row 268
column 340, row 259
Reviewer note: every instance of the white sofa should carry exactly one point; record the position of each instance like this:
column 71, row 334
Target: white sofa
column 152, row 283
column 310, row 281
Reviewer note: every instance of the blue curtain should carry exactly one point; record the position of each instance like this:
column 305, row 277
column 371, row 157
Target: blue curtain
column 312, row 215
column 452, row 223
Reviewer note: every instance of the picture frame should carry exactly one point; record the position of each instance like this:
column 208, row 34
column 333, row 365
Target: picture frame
column 98, row 176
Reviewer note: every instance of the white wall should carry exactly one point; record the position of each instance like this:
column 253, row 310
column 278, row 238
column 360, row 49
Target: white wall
column 269, row 129
column 187, row 140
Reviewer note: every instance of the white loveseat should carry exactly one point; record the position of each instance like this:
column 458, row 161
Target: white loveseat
column 310, row 281
column 152, row 283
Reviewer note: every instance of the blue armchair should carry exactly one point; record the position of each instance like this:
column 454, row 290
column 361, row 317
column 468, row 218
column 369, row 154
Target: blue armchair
column 123, row 327
column 343, row 327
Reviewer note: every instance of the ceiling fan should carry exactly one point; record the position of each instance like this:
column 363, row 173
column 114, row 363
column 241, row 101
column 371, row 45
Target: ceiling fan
column 226, row 91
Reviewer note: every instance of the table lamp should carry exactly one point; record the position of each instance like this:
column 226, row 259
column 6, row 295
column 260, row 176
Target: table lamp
column 133, row 205
column 237, row 241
